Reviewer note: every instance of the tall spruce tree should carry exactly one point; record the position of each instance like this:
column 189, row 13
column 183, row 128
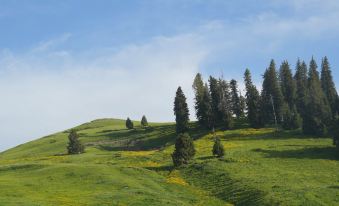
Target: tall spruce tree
column 206, row 108
column 181, row 112
column 252, row 101
column 224, row 104
column 272, row 99
column 318, row 112
column 301, row 87
column 184, row 150
column 328, row 86
column 198, row 88
column 236, row 103
column 74, row 144
column 215, row 100
column 291, row 118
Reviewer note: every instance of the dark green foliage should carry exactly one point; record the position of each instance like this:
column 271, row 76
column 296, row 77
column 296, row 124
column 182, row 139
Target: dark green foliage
column 328, row 86
column 271, row 96
column 236, row 101
column 74, row 145
column 202, row 102
column 224, row 104
column 252, row 101
column 184, row 150
column 218, row 149
column 129, row 123
column 334, row 131
column 144, row 122
column 301, row 87
column 181, row 112
column 291, row 118
column 215, row 100
column 318, row 112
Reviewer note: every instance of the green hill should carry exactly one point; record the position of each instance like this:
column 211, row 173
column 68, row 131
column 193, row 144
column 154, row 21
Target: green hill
column 134, row 167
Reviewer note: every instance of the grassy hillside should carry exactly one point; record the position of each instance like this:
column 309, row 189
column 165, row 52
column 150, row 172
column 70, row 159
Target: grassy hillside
column 122, row 167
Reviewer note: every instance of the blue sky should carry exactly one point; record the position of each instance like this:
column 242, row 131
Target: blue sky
column 66, row 62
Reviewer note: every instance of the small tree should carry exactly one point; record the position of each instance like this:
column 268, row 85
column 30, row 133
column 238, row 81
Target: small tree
column 184, row 150
column 218, row 148
column 129, row 124
column 144, row 122
column 74, row 145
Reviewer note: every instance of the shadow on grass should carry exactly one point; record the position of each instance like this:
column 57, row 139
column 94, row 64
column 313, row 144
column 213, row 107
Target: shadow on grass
column 156, row 137
column 330, row 153
column 164, row 168
column 206, row 158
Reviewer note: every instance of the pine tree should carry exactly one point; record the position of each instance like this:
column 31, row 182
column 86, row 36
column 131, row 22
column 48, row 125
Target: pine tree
column 301, row 87
column 252, row 101
column 224, row 104
column 198, row 88
column 236, row 104
column 291, row 118
column 129, row 123
column 74, row 145
column 318, row 112
column 272, row 99
column 215, row 100
column 184, row 150
column 328, row 86
column 144, row 122
column 218, row 149
column 181, row 112
column 206, row 108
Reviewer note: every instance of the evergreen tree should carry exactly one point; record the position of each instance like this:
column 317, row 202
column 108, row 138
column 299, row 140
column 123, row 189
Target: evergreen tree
column 224, row 104
column 237, row 105
column 272, row 99
column 291, row 118
column 328, row 86
column 184, row 150
column 334, row 131
column 301, row 87
column 206, row 108
column 181, row 112
column 318, row 112
column 74, row 145
column 218, row 149
column 215, row 100
column 144, row 122
column 129, row 124
column 199, row 91
column 252, row 101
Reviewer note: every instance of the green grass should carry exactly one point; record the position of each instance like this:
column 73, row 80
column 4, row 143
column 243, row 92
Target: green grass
column 133, row 167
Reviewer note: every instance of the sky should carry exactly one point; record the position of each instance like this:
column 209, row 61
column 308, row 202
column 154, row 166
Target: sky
column 66, row 62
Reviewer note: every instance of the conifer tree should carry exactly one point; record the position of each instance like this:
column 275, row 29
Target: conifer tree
column 206, row 108
column 272, row 99
column 74, row 145
column 181, row 112
column 184, row 150
column 236, row 104
column 334, row 131
column 218, row 149
column 224, row 104
column 198, row 88
column 301, row 87
column 215, row 100
column 328, row 86
column 318, row 112
column 252, row 101
column 129, row 123
column 291, row 118
column 144, row 122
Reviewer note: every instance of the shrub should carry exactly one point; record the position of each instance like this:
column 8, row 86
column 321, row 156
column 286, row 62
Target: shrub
column 218, row 148
column 74, row 145
column 184, row 150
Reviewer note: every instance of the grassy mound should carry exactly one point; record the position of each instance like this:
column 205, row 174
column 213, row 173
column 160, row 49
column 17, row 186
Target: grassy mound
column 133, row 167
